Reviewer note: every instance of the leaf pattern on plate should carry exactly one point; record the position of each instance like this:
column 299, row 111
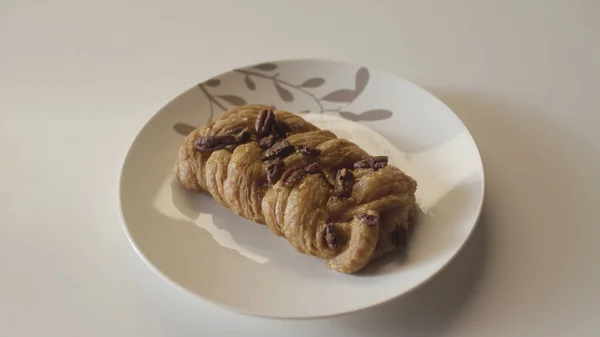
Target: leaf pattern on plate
column 348, row 95
column 370, row 115
column 183, row 129
column 266, row 66
column 285, row 94
column 314, row 82
column 232, row 99
column 213, row 82
column 342, row 95
column 361, row 80
column 286, row 91
column 249, row 83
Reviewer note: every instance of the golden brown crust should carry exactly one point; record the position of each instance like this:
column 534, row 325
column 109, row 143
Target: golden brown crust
column 348, row 229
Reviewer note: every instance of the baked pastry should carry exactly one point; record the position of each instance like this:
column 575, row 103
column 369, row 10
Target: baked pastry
column 326, row 196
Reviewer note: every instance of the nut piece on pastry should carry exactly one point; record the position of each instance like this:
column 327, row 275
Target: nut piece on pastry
column 326, row 196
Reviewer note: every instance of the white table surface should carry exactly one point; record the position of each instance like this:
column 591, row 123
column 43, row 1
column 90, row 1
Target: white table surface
column 78, row 79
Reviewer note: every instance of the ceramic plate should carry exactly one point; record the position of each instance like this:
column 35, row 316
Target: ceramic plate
column 204, row 248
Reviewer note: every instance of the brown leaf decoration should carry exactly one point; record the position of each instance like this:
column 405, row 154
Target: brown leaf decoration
column 349, row 115
column 266, row 66
column 213, row 82
column 183, row 129
column 314, row 82
column 233, row 100
column 342, row 95
column 362, row 78
column 371, row 115
column 249, row 83
column 285, row 94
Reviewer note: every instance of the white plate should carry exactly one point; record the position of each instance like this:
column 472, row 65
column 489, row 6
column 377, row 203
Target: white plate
column 206, row 249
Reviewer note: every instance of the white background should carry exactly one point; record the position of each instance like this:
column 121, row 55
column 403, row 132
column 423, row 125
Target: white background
column 78, row 79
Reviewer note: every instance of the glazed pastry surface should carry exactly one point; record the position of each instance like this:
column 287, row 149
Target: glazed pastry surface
column 325, row 195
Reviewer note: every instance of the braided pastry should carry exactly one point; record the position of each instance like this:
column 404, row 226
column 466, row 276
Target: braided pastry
column 327, row 197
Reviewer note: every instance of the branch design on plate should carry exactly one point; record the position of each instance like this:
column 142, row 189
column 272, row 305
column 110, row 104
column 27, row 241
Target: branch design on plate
column 283, row 87
column 213, row 101
column 287, row 91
